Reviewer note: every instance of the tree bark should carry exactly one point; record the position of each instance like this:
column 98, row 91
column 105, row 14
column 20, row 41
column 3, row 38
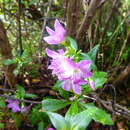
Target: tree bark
column 6, row 53
column 87, row 20
column 73, row 16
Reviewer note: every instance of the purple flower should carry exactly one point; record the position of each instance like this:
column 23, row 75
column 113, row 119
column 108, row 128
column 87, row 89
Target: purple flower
column 14, row 105
column 57, row 36
column 70, row 85
column 72, row 74
column 79, row 72
column 59, row 61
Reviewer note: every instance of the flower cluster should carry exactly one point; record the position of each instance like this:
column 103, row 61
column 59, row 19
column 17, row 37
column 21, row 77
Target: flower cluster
column 14, row 105
column 73, row 75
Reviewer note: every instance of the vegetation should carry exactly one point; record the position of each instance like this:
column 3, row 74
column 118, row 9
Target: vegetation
column 64, row 64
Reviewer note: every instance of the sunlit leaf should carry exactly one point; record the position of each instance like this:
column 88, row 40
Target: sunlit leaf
column 58, row 121
column 73, row 110
column 72, row 42
column 53, row 104
column 98, row 114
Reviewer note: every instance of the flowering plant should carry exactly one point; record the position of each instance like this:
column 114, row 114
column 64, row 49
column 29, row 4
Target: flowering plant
column 77, row 76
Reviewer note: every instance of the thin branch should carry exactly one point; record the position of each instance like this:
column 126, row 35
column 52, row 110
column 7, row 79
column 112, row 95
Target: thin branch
column 44, row 26
column 7, row 90
column 24, row 100
column 117, row 110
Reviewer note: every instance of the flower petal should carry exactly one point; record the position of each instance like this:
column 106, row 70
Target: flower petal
column 87, row 74
column 50, row 129
column 76, row 89
column 59, row 28
column 85, row 64
column 50, row 31
column 51, row 53
column 67, row 85
column 61, row 51
column 51, row 40
column 16, row 108
column 10, row 101
column 14, row 105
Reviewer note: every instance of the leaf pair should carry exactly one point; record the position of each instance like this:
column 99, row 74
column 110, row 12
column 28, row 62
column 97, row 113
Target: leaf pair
column 74, row 120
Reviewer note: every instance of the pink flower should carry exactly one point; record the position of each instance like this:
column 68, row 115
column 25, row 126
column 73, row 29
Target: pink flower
column 50, row 129
column 92, row 85
column 57, row 36
column 72, row 74
column 14, row 105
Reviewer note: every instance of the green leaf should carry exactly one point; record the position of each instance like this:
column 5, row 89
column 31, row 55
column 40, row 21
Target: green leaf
column 53, row 104
column 32, row 2
column 88, row 105
column 93, row 52
column 58, row 121
column 37, row 116
column 99, row 78
column 30, row 95
column 72, row 42
column 73, row 110
column 81, row 121
column 98, row 115
column 9, row 61
column 2, row 125
column 20, row 93
column 2, row 104
column 100, row 74
column 87, row 88
column 41, row 125
column 17, row 118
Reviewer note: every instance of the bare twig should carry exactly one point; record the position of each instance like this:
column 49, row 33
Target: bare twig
column 44, row 26
column 118, row 109
column 7, row 90
column 24, row 100
column 111, row 106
